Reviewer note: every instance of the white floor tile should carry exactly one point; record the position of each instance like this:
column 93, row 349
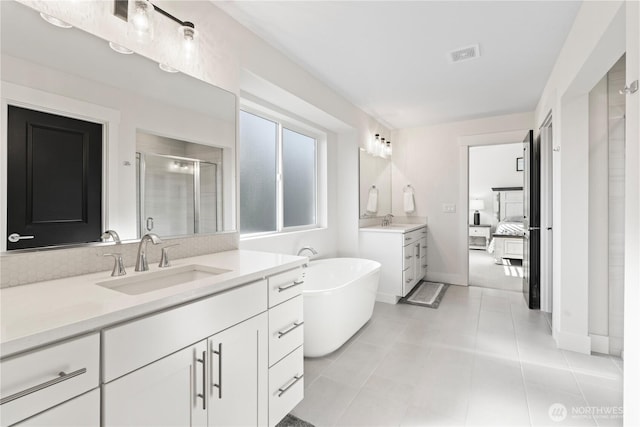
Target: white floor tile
column 482, row 358
column 371, row 409
column 324, row 402
column 356, row 364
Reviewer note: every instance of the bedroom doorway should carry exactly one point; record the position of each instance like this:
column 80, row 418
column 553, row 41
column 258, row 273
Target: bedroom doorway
column 495, row 216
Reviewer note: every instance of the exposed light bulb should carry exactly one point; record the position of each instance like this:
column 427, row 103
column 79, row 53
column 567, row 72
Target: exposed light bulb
column 190, row 39
column 141, row 21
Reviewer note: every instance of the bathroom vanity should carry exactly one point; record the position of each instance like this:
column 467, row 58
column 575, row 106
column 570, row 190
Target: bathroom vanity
column 223, row 346
column 402, row 251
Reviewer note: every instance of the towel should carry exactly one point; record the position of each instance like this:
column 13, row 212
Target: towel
column 372, row 203
column 409, row 203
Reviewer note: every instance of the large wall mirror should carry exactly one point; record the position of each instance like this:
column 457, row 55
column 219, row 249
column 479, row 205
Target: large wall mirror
column 375, row 185
column 168, row 139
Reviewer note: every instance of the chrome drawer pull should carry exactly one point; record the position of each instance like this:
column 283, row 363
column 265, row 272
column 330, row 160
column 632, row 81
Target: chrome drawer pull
column 407, row 257
column 407, row 238
column 283, row 390
column 424, row 247
column 289, row 329
column 295, row 283
column 408, row 280
column 424, row 265
column 63, row 376
column 424, row 232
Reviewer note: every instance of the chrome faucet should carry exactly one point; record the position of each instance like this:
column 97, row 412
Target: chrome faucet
column 111, row 234
column 387, row 220
column 308, row 248
column 141, row 259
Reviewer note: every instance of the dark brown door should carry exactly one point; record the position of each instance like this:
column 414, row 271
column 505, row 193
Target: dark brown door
column 54, row 180
column 531, row 260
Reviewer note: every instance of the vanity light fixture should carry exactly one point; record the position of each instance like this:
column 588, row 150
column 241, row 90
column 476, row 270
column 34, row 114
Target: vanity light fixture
column 55, row 21
column 120, row 49
column 378, row 147
column 141, row 25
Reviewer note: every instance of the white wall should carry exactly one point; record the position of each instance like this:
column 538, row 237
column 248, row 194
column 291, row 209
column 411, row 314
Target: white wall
column 492, row 166
column 632, row 222
column 595, row 43
column 601, row 32
column 428, row 158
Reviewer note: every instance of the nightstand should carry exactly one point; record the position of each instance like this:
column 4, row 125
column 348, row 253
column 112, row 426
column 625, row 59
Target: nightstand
column 476, row 232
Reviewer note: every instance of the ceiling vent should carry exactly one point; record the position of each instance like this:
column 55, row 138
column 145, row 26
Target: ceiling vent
column 464, row 54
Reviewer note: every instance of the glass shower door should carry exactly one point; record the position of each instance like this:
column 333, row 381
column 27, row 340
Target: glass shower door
column 167, row 195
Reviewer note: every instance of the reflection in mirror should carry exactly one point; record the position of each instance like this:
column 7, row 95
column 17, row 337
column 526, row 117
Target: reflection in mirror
column 74, row 74
column 375, row 186
column 179, row 186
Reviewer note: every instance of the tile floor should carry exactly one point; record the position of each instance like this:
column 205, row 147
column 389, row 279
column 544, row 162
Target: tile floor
column 484, row 272
column 482, row 358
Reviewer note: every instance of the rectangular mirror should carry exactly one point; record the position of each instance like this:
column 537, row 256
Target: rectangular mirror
column 71, row 73
column 375, row 186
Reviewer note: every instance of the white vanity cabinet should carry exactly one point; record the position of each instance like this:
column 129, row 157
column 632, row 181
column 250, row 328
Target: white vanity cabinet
column 34, row 382
column 217, row 381
column 238, row 374
column 168, row 392
column 402, row 252
column 286, row 335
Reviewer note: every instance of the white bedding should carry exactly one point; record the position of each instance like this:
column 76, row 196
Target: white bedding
column 507, row 227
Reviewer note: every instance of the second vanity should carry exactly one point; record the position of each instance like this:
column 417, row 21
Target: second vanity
column 222, row 347
column 402, row 251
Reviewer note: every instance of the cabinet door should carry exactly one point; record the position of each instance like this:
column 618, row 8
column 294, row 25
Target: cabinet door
column 238, row 374
column 168, row 392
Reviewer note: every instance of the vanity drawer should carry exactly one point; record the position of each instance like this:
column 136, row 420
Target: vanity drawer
column 285, row 285
column 286, row 386
column 137, row 343
column 412, row 236
column 35, row 381
column 286, row 331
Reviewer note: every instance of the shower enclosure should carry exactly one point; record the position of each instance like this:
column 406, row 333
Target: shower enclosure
column 178, row 195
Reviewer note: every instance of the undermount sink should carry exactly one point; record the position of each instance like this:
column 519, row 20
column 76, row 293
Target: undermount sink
column 141, row 283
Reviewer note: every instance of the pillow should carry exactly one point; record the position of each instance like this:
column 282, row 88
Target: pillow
column 514, row 219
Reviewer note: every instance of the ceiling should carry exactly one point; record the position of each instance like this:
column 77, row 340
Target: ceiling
column 390, row 58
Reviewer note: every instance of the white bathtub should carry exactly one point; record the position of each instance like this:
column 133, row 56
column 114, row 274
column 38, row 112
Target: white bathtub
column 338, row 295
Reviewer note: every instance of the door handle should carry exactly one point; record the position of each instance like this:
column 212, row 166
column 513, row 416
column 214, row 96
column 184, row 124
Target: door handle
column 219, row 385
column 15, row 237
column 534, row 228
column 204, row 380
column 549, row 228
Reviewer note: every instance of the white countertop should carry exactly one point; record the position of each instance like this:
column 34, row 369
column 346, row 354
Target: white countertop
column 393, row 228
column 40, row 313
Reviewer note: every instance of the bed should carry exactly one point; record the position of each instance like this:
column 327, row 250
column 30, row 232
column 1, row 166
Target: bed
column 507, row 240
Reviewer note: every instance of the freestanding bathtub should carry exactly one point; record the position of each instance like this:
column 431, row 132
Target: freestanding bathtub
column 338, row 296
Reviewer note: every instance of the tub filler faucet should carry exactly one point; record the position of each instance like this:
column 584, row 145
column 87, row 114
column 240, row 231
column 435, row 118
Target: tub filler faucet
column 310, row 249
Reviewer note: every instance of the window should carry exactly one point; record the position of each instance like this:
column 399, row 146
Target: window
column 278, row 176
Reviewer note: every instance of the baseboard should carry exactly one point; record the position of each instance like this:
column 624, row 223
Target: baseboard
column 599, row 343
column 573, row 342
column 452, row 279
column 387, row 298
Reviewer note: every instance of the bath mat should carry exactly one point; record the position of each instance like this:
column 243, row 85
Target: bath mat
column 293, row 421
column 426, row 294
